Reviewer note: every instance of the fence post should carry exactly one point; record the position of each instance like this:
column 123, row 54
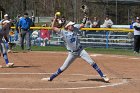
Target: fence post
column 107, row 33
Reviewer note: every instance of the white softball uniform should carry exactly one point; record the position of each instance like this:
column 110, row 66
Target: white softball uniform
column 74, row 47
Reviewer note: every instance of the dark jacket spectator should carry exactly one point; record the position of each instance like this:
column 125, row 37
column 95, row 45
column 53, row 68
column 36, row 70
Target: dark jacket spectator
column 95, row 23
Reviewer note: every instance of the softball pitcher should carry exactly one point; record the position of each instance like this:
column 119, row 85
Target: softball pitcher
column 3, row 29
column 74, row 48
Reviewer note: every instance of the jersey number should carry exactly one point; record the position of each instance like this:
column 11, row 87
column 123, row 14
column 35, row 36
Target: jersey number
column 72, row 40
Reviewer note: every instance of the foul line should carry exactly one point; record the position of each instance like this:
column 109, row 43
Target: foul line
column 116, row 56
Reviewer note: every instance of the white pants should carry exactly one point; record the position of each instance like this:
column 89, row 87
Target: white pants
column 2, row 48
column 73, row 55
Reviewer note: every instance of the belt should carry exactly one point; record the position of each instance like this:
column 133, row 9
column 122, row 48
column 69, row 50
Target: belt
column 75, row 50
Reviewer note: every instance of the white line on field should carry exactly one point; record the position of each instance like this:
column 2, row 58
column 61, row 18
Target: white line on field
column 134, row 58
column 123, row 81
column 76, row 88
column 116, row 56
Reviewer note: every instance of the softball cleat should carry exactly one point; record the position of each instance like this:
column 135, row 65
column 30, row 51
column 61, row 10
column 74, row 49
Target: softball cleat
column 46, row 79
column 10, row 65
column 106, row 79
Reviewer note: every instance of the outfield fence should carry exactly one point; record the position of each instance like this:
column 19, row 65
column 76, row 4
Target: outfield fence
column 90, row 37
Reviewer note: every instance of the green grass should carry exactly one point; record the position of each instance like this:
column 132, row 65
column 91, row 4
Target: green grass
column 92, row 50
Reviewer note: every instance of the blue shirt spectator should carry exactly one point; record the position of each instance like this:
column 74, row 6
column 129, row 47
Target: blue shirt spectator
column 24, row 31
column 25, row 23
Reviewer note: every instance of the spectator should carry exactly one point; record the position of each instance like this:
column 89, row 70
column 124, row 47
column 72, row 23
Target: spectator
column 24, row 31
column 11, row 30
column 61, row 22
column 88, row 22
column 33, row 20
column 35, row 36
column 136, row 26
column 87, row 25
column 57, row 22
column 108, row 22
column 45, row 35
column 32, row 23
column 95, row 23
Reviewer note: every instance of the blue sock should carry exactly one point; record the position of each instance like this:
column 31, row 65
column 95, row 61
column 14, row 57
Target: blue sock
column 6, row 45
column 98, row 70
column 5, row 58
column 59, row 71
